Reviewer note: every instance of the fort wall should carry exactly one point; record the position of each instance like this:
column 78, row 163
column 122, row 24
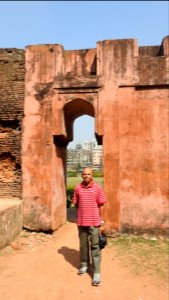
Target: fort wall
column 44, row 88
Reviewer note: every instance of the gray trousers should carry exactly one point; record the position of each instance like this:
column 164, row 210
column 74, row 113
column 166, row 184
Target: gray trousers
column 89, row 247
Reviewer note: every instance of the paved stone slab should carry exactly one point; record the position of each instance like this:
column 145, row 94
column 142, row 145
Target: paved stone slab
column 11, row 220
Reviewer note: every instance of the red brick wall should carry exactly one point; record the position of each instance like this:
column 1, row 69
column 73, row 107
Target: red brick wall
column 12, row 71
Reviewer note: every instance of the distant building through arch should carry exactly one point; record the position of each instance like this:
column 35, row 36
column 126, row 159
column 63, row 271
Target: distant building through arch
column 88, row 153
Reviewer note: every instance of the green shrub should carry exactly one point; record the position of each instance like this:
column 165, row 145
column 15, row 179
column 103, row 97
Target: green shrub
column 97, row 173
column 72, row 174
column 69, row 193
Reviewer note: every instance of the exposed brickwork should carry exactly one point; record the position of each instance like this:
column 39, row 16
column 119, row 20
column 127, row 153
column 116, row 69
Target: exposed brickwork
column 152, row 51
column 12, row 70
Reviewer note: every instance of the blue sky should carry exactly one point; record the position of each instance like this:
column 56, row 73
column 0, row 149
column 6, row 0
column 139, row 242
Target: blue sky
column 80, row 25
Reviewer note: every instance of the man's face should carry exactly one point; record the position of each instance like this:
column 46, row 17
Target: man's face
column 87, row 175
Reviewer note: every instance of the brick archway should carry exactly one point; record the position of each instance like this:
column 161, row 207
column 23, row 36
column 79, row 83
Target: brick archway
column 125, row 88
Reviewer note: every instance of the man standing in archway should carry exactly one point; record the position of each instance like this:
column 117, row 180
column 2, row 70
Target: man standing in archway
column 89, row 199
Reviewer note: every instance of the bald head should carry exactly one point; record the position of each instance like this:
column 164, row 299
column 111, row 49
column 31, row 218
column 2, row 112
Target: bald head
column 87, row 170
column 87, row 175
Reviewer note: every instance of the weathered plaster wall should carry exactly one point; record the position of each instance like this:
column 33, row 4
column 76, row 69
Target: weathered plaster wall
column 135, row 107
column 143, row 155
column 47, row 127
column 126, row 89
column 43, row 163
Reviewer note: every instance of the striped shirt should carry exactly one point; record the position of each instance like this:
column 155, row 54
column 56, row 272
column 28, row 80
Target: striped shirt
column 88, row 200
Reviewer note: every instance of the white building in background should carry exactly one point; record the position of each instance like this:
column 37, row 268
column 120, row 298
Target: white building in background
column 97, row 157
column 87, row 154
column 89, row 145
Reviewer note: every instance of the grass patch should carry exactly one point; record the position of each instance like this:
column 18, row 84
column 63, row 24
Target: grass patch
column 73, row 181
column 143, row 256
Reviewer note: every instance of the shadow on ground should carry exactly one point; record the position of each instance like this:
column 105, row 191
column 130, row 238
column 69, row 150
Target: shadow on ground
column 70, row 255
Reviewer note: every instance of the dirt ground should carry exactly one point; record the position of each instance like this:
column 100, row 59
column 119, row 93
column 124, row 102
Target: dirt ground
column 38, row 266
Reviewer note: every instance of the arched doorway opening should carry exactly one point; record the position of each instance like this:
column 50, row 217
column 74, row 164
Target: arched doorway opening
column 85, row 150
column 74, row 110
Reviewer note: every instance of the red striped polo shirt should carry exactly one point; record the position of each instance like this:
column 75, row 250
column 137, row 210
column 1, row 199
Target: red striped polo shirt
column 88, row 200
